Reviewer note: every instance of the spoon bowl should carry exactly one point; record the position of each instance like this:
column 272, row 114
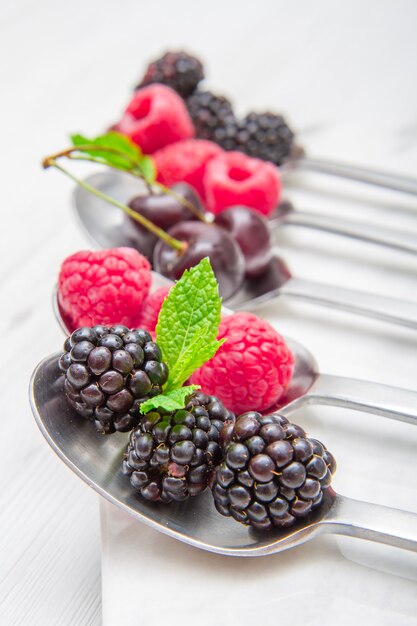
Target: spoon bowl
column 108, row 227
column 96, row 459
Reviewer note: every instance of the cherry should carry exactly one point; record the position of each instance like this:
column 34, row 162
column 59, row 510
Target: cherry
column 251, row 231
column 164, row 210
column 204, row 240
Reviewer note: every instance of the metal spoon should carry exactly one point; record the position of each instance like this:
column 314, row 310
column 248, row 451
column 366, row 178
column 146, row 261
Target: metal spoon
column 107, row 227
column 378, row 178
column 287, row 215
column 308, row 386
column 96, row 459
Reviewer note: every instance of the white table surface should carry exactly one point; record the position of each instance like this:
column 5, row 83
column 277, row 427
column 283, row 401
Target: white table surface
column 344, row 73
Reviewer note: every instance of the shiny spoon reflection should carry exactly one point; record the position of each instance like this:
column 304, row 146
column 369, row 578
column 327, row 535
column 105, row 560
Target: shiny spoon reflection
column 96, row 459
column 107, row 227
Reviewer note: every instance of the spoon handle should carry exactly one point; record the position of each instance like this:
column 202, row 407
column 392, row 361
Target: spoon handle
column 391, row 310
column 360, row 395
column 374, row 522
column 378, row 178
column 364, row 232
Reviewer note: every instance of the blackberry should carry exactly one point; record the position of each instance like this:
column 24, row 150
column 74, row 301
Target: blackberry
column 170, row 455
column 179, row 70
column 272, row 472
column 264, row 136
column 213, row 118
column 109, row 371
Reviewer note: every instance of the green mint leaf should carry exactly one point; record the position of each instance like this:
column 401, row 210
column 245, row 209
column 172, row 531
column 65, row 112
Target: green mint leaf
column 121, row 153
column 188, row 323
column 172, row 401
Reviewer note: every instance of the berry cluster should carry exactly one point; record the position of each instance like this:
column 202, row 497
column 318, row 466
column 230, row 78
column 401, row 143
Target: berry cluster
column 109, row 372
column 103, row 287
column 170, row 455
column 179, row 70
column 272, row 472
column 265, row 136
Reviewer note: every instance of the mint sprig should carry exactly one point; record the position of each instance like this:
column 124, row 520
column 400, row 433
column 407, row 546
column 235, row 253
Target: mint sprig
column 188, row 323
column 170, row 401
column 116, row 150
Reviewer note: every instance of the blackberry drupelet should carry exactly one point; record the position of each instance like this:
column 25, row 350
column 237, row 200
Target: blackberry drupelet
column 109, row 371
column 272, row 472
column 170, row 455
column 178, row 70
column 213, row 118
column 264, row 136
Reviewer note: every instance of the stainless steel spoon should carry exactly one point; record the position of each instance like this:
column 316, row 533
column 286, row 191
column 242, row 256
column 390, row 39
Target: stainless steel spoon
column 107, row 227
column 96, row 460
column 287, row 215
column 308, row 386
column 370, row 176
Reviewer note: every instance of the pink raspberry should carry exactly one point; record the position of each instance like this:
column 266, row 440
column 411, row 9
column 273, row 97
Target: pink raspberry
column 252, row 369
column 232, row 178
column 104, row 287
column 152, row 305
column 185, row 161
column 155, row 117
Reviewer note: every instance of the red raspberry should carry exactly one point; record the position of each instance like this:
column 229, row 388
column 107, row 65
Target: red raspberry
column 149, row 314
column 233, row 178
column 252, row 369
column 104, row 287
column 185, row 161
column 155, row 117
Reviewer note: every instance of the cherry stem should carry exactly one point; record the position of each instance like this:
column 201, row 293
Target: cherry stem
column 135, row 171
column 185, row 203
column 181, row 246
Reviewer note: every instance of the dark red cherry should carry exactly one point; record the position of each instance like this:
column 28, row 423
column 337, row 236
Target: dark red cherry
column 204, row 240
column 251, row 231
column 164, row 211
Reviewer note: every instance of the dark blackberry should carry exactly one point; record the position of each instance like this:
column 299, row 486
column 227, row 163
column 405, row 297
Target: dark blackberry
column 179, row 70
column 109, row 372
column 213, row 118
column 264, row 136
column 272, row 472
column 170, row 455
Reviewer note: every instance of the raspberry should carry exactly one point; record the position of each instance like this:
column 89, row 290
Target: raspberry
column 170, row 455
column 155, row 117
column 185, row 161
column 104, row 287
column 272, row 472
column 233, row 178
column 150, row 310
column 252, row 369
column 109, row 372
column 179, row 70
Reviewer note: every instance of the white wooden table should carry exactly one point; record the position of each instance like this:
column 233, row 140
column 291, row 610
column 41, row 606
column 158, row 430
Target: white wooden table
column 344, row 73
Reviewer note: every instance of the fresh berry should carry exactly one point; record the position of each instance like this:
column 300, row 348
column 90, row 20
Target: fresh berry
column 272, row 473
column 251, row 231
column 185, row 161
column 204, row 240
column 265, row 136
column 234, row 178
column 213, row 118
column 155, row 117
column 104, row 287
column 164, row 210
column 179, row 70
column 109, row 371
column 170, row 455
column 252, row 369
column 151, row 307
